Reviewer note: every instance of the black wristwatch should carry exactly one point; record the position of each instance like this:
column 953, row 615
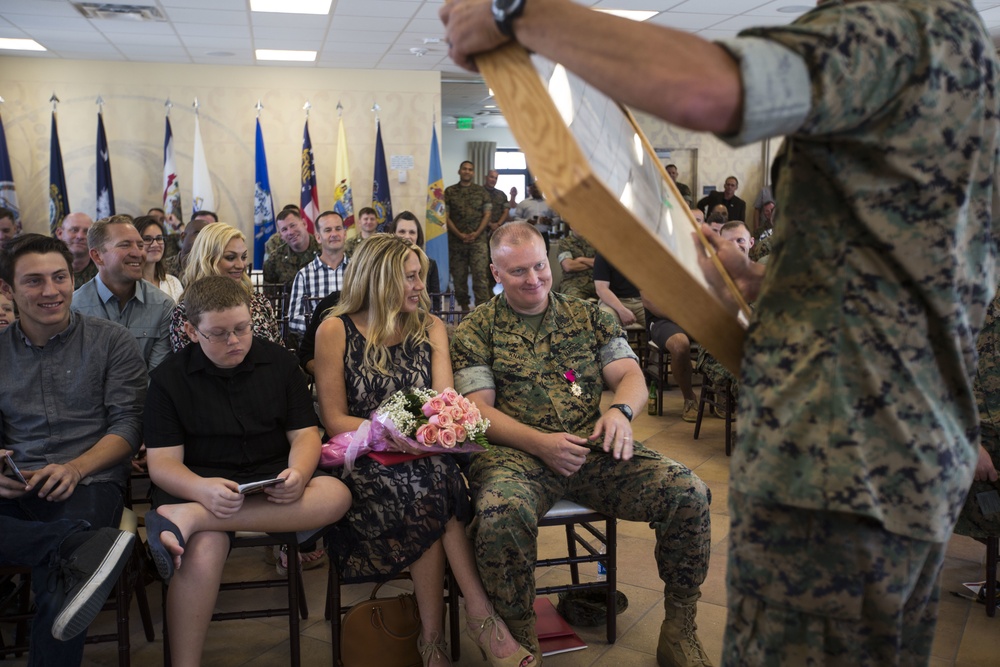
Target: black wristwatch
column 626, row 410
column 504, row 13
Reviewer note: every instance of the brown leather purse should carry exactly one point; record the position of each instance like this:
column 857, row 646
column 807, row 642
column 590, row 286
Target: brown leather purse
column 381, row 631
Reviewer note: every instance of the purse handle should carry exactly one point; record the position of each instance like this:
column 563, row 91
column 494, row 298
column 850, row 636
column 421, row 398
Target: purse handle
column 401, row 575
column 378, row 622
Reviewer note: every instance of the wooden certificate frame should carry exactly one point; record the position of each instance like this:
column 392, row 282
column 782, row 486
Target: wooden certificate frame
column 648, row 240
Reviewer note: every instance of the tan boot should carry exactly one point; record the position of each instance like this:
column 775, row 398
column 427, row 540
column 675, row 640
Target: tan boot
column 679, row 645
column 524, row 633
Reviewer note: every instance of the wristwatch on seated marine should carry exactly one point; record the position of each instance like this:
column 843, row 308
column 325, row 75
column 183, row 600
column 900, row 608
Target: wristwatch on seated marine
column 504, row 13
column 625, row 410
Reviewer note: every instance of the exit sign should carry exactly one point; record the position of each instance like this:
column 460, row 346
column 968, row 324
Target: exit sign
column 463, row 123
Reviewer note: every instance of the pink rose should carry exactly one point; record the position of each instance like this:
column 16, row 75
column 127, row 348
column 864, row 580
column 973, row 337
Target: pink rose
column 427, row 434
column 442, row 419
column 456, row 413
column 472, row 416
column 450, row 396
column 460, row 433
column 433, row 406
column 447, row 437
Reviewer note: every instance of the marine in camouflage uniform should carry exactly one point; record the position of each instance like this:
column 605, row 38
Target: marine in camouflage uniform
column 466, row 206
column 577, row 283
column 857, row 438
column 495, row 349
column 717, row 374
column 972, row 521
column 283, row 263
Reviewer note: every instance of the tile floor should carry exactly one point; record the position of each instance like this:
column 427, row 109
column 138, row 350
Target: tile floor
column 965, row 636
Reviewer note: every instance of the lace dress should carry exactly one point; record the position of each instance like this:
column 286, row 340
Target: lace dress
column 400, row 510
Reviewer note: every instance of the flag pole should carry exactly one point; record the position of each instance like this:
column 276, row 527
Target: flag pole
column 168, row 105
column 54, row 100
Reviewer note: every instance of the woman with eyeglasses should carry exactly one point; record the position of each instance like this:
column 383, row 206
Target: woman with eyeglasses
column 221, row 250
column 153, row 270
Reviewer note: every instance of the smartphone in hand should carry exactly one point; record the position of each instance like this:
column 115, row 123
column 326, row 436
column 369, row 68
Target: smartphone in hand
column 258, row 487
column 13, row 468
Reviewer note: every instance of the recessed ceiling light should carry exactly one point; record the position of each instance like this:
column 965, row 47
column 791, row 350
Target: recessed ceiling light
column 489, row 106
column 278, row 54
column 291, row 6
column 633, row 14
column 795, row 9
column 21, row 44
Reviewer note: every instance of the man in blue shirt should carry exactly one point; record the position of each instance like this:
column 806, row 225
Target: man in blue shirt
column 119, row 294
column 70, row 414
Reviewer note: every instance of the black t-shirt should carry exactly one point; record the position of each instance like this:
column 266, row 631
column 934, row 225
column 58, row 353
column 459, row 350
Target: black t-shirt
column 231, row 422
column 621, row 287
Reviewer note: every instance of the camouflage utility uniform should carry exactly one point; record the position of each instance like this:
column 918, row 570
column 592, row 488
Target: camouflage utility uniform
column 352, row 244
column 493, row 349
column 84, row 276
column 577, row 283
column 857, row 438
column 283, row 263
column 466, row 206
column 972, row 522
column 499, row 201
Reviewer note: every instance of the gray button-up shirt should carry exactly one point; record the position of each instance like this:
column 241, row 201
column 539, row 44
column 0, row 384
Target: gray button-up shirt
column 57, row 401
column 146, row 315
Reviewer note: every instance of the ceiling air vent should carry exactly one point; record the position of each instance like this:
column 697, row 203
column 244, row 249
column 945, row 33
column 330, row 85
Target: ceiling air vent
column 116, row 12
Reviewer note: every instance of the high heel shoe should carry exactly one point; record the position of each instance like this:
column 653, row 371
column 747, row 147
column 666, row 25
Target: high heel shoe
column 436, row 645
column 482, row 630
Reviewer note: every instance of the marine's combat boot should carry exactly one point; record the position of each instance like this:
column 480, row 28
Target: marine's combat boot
column 679, row 645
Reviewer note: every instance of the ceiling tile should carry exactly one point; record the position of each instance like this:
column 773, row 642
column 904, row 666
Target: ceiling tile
column 216, row 43
column 213, row 31
column 367, row 23
column 771, row 9
column 381, row 8
column 30, row 21
column 226, row 5
column 208, row 16
column 282, row 44
column 429, row 10
column 53, row 8
column 431, row 27
column 355, row 47
column 133, row 27
column 690, row 22
column 48, row 37
column 337, row 35
column 717, row 6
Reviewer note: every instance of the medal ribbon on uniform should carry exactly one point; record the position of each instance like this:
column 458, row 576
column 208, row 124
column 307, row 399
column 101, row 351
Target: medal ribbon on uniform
column 574, row 388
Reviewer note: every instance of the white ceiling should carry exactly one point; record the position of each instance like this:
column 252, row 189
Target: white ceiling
column 357, row 34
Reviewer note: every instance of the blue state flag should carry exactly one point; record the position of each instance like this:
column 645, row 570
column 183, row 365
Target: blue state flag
column 105, row 190
column 58, row 196
column 8, row 196
column 435, row 231
column 263, row 204
column 381, row 198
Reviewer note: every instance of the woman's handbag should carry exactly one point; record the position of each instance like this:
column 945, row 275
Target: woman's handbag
column 381, row 631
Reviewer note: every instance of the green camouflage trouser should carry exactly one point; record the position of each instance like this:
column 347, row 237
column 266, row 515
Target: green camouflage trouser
column 812, row 588
column 512, row 490
column 465, row 258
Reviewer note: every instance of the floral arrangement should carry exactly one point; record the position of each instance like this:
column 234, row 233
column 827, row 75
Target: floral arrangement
column 413, row 421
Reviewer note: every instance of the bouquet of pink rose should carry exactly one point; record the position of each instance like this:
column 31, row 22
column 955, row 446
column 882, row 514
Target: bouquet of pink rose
column 414, row 421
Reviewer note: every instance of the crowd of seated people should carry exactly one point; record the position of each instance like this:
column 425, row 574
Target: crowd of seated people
column 196, row 376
